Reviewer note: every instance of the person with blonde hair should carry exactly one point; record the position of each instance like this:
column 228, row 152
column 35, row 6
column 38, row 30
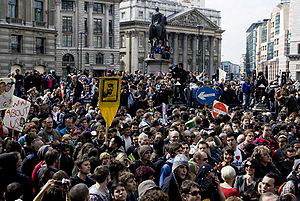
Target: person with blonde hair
column 264, row 162
column 228, row 174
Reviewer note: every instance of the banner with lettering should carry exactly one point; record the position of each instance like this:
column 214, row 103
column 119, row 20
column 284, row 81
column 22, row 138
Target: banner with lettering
column 15, row 117
column 7, row 88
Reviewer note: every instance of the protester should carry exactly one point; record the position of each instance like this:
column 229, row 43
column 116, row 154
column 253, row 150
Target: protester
column 160, row 137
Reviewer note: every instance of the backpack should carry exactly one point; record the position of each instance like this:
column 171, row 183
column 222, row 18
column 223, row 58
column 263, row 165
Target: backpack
column 158, row 166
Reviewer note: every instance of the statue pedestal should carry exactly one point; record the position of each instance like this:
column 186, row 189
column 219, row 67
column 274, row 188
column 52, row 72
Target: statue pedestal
column 157, row 65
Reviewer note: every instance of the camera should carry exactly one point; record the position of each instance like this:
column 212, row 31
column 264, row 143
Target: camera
column 64, row 182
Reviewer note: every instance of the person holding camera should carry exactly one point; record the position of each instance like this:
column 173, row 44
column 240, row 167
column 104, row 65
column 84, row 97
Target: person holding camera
column 209, row 184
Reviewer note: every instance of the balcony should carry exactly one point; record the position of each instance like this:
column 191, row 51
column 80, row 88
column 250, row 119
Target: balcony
column 38, row 24
column 14, row 20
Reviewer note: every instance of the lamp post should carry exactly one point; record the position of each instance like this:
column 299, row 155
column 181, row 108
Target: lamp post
column 201, row 53
column 80, row 61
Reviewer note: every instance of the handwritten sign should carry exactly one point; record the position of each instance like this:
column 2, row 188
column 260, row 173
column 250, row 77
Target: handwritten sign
column 7, row 87
column 15, row 117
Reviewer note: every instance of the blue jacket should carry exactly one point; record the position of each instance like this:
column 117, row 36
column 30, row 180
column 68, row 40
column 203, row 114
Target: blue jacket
column 246, row 88
column 165, row 171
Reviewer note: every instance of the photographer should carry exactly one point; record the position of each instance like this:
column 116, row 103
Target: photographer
column 209, row 183
column 54, row 190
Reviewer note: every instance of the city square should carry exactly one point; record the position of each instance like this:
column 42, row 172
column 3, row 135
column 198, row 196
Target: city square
column 149, row 100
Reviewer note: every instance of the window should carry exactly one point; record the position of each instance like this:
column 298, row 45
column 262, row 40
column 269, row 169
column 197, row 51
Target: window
column 86, row 6
column 87, row 58
column 110, row 27
column 38, row 10
column 16, row 43
column 98, row 41
column 123, row 41
column 123, row 15
column 264, row 34
column 99, row 58
column 67, row 24
column 98, row 8
column 67, row 40
column 86, row 30
column 67, row 5
column 298, row 48
column 111, row 39
column 111, row 9
column 141, row 14
column 277, row 24
column 271, row 51
column 12, row 8
column 141, row 40
column 86, row 44
column 112, row 59
column 98, row 26
column 40, row 45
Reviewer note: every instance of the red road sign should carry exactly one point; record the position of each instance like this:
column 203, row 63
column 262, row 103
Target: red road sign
column 219, row 108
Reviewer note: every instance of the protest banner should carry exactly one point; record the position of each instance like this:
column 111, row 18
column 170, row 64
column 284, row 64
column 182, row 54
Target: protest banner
column 109, row 99
column 7, row 88
column 15, row 117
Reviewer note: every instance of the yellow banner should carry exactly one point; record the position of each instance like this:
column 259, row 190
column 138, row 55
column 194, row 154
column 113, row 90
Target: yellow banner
column 109, row 97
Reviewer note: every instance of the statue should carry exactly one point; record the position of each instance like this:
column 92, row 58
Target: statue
column 157, row 31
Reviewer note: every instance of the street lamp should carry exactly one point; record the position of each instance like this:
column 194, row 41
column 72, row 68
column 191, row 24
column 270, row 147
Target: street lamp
column 80, row 61
column 201, row 53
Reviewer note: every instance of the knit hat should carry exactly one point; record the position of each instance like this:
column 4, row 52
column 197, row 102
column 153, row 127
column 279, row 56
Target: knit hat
column 179, row 160
column 143, row 149
column 146, row 186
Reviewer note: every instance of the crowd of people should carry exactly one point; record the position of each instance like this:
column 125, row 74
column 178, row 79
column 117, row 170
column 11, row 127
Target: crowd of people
column 180, row 153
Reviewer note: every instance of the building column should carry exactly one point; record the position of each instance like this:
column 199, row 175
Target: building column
column 211, row 69
column 90, row 25
column 106, row 25
column 134, row 51
column 194, row 50
column 175, row 49
column 58, row 23
column 218, row 45
column 185, row 51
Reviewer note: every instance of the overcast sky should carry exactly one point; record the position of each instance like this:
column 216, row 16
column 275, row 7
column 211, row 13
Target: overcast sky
column 237, row 16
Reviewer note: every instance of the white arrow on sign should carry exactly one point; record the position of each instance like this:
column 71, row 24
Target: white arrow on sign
column 203, row 96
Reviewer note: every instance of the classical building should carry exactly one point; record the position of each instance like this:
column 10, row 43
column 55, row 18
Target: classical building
column 27, row 36
column 88, row 35
column 294, row 51
column 193, row 32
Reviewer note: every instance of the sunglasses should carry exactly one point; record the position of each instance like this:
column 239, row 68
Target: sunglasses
column 250, row 166
column 195, row 193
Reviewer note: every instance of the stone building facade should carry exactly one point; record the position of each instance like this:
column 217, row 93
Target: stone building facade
column 88, row 35
column 27, row 36
column 193, row 33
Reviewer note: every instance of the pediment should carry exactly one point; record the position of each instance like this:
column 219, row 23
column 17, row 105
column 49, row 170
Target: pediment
column 191, row 18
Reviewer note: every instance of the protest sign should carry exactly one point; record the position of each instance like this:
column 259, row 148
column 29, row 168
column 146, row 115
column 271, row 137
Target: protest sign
column 222, row 75
column 15, row 117
column 109, row 99
column 7, row 87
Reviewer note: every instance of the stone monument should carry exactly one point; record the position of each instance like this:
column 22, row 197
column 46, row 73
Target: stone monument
column 158, row 59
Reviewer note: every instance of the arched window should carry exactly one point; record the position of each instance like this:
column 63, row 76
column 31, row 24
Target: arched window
column 68, row 59
column 99, row 58
column 87, row 58
column 112, row 59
